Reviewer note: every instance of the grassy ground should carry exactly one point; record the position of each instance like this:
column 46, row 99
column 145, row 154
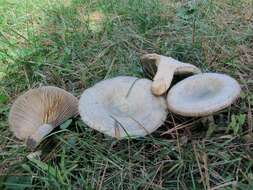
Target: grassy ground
column 74, row 44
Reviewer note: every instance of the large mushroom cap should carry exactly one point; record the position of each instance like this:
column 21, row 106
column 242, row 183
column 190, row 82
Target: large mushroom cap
column 203, row 94
column 35, row 113
column 163, row 69
column 122, row 106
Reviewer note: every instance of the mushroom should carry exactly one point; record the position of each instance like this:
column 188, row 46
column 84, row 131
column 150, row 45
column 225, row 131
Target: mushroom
column 38, row 111
column 203, row 94
column 122, row 107
column 164, row 69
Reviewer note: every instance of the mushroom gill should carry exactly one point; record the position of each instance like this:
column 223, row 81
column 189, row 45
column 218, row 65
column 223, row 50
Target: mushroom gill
column 38, row 111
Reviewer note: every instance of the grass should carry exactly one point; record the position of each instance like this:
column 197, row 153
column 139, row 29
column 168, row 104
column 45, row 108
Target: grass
column 74, row 44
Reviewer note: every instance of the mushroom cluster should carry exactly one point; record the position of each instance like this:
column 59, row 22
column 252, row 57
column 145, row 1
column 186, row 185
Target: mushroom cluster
column 125, row 106
column 199, row 95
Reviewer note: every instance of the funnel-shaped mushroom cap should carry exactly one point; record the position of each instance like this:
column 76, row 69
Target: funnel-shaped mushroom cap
column 164, row 69
column 122, row 106
column 35, row 113
column 203, row 94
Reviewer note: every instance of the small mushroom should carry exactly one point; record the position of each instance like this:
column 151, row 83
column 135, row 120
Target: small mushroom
column 164, row 69
column 122, row 107
column 38, row 111
column 203, row 94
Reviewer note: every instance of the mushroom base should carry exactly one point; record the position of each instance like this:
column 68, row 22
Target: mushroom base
column 34, row 140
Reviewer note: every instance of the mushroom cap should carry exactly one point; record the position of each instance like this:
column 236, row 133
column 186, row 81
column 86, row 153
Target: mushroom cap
column 45, row 106
column 203, row 94
column 122, row 107
column 162, row 69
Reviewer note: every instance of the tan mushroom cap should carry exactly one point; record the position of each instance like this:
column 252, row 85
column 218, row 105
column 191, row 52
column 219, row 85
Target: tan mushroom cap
column 203, row 94
column 38, row 111
column 122, row 107
column 164, row 69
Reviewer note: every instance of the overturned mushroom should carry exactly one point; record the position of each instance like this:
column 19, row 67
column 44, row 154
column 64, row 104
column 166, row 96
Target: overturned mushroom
column 122, row 107
column 203, row 94
column 164, row 69
column 37, row 112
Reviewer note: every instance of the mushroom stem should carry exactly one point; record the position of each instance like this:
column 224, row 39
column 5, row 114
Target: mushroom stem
column 36, row 138
column 166, row 68
column 163, row 76
column 162, row 79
